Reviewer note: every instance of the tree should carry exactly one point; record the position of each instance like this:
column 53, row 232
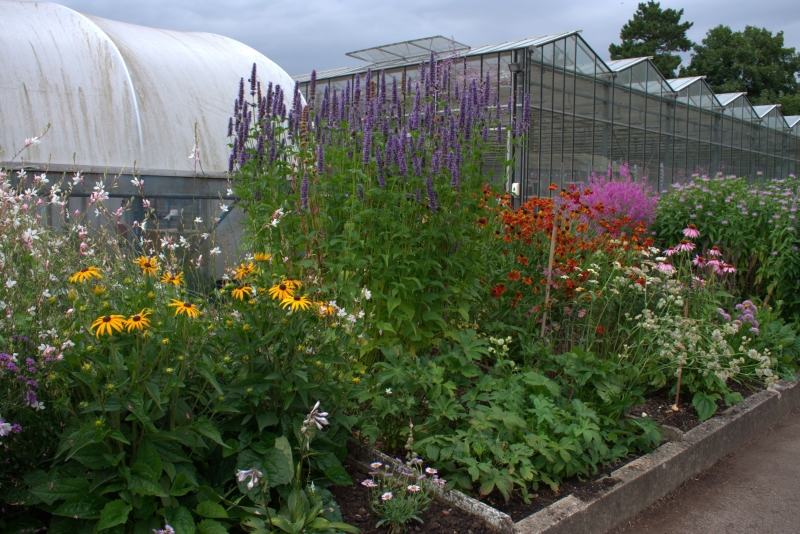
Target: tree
column 654, row 32
column 753, row 61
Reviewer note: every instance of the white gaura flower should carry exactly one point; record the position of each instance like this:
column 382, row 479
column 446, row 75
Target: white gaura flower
column 214, row 251
column 198, row 220
column 11, row 283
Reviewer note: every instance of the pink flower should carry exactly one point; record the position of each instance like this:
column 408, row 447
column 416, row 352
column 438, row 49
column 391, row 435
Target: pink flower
column 685, row 246
column 691, row 232
column 669, row 252
column 714, row 251
column 665, row 267
column 700, row 261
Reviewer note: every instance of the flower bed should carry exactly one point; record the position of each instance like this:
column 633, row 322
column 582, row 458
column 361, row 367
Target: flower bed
column 389, row 293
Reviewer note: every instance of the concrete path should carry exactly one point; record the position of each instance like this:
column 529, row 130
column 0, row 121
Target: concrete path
column 754, row 490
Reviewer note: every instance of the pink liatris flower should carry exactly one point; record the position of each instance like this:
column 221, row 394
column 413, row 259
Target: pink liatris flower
column 685, row 246
column 665, row 267
column 691, row 231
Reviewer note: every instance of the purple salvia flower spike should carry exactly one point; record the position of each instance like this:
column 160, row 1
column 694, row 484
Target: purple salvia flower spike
column 304, row 192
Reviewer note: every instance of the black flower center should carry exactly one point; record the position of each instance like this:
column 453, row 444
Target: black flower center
column 107, row 319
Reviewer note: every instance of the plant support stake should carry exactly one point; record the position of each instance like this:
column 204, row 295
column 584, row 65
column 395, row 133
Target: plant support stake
column 549, row 273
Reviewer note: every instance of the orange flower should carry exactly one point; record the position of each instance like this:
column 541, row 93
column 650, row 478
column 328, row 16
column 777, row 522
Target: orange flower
column 482, row 222
column 514, row 275
column 522, row 259
column 527, row 280
column 552, row 187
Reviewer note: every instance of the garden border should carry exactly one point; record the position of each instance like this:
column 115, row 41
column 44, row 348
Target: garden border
column 636, row 485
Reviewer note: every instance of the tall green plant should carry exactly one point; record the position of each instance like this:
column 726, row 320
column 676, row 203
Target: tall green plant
column 372, row 191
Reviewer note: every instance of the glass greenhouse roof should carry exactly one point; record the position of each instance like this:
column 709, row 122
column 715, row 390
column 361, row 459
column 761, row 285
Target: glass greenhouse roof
column 407, row 50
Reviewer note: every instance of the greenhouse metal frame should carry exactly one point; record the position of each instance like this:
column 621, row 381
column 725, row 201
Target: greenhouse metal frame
column 587, row 114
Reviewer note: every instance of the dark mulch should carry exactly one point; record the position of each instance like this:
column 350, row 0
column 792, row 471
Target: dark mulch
column 518, row 509
column 441, row 517
column 658, row 406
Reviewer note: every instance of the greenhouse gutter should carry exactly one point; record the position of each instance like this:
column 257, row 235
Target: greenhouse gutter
column 635, row 486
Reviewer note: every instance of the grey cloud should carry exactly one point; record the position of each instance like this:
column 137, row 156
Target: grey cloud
column 301, row 36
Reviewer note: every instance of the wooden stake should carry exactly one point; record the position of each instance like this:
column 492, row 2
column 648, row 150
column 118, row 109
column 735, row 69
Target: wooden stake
column 676, row 406
column 549, row 272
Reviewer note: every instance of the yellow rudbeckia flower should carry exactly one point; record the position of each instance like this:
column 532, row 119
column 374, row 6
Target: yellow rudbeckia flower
column 107, row 324
column 138, row 321
column 85, row 274
column 186, row 308
column 281, row 291
column 174, row 279
column 296, row 302
column 242, row 292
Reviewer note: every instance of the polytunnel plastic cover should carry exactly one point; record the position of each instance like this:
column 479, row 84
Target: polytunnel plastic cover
column 116, row 94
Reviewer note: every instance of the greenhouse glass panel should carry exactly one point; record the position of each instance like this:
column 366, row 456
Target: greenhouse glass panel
column 569, row 43
column 585, row 59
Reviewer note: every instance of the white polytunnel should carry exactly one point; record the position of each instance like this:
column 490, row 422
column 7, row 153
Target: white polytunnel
column 119, row 96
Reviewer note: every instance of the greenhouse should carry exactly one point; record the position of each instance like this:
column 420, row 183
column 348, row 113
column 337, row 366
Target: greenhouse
column 587, row 113
column 120, row 100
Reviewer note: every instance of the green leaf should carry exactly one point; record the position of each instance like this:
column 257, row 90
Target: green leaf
column 135, row 405
column 180, row 486
column 704, row 404
column 59, row 490
column 86, row 506
column 208, row 430
column 114, row 513
column 148, row 454
column 278, row 464
column 140, row 485
column 209, row 526
column 211, row 510
column 266, row 420
column 180, row 519
column 338, row 475
column 391, row 304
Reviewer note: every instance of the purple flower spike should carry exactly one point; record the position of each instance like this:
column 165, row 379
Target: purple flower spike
column 304, row 192
column 312, row 91
column 253, row 81
column 320, row 160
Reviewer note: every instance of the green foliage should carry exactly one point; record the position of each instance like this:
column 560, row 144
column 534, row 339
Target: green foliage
column 655, row 32
column 753, row 61
column 503, row 428
column 753, row 225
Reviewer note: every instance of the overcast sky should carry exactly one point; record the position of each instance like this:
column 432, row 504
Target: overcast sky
column 315, row 34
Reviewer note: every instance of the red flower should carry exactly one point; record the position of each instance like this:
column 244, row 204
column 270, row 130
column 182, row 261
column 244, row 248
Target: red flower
column 498, row 290
column 601, row 330
column 527, row 281
column 522, row 259
column 552, row 187
column 514, row 275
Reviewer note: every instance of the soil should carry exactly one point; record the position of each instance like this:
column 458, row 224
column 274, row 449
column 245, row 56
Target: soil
column 659, row 407
column 518, row 509
column 441, row 517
